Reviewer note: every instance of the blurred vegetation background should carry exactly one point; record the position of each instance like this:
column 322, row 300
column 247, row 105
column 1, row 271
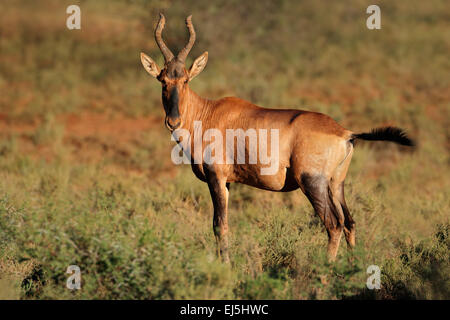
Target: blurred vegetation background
column 85, row 170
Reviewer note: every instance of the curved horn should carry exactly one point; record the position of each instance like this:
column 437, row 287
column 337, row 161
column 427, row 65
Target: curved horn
column 168, row 55
column 185, row 51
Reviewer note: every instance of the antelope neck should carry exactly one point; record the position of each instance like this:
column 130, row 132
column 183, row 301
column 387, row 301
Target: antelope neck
column 196, row 109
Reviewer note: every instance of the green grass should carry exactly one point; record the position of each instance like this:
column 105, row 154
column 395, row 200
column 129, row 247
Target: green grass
column 110, row 201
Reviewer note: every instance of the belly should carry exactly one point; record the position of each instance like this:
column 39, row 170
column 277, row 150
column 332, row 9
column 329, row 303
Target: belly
column 282, row 181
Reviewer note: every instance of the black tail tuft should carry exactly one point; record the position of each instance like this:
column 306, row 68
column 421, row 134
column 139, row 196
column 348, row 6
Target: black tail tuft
column 393, row 134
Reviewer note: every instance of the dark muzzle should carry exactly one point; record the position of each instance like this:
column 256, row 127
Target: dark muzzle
column 173, row 120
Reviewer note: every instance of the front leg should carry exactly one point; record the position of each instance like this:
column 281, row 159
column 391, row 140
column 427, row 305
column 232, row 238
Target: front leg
column 219, row 195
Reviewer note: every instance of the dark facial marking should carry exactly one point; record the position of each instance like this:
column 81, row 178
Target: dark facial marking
column 170, row 102
column 175, row 70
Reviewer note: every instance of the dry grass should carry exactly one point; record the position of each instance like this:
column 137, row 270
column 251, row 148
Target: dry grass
column 85, row 170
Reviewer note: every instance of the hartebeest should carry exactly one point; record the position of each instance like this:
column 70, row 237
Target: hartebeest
column 314, row 150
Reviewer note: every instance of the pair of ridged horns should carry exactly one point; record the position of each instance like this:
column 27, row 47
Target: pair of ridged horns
column 168, row 55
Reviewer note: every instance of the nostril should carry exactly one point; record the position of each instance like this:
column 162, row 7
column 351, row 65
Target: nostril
column 176, row 125
column 173, row 124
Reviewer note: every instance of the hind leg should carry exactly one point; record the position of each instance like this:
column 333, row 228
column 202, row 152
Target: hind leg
column 337, row 187
column 317, row 190
column 349, row 224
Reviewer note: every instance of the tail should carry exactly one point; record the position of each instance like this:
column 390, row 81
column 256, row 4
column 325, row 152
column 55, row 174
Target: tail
column 393, row 134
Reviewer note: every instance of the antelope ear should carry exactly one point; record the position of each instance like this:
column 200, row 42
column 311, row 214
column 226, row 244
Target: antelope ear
column 198, row 65
column 150, row 65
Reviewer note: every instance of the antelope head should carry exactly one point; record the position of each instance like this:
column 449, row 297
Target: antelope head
column 174, row 77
